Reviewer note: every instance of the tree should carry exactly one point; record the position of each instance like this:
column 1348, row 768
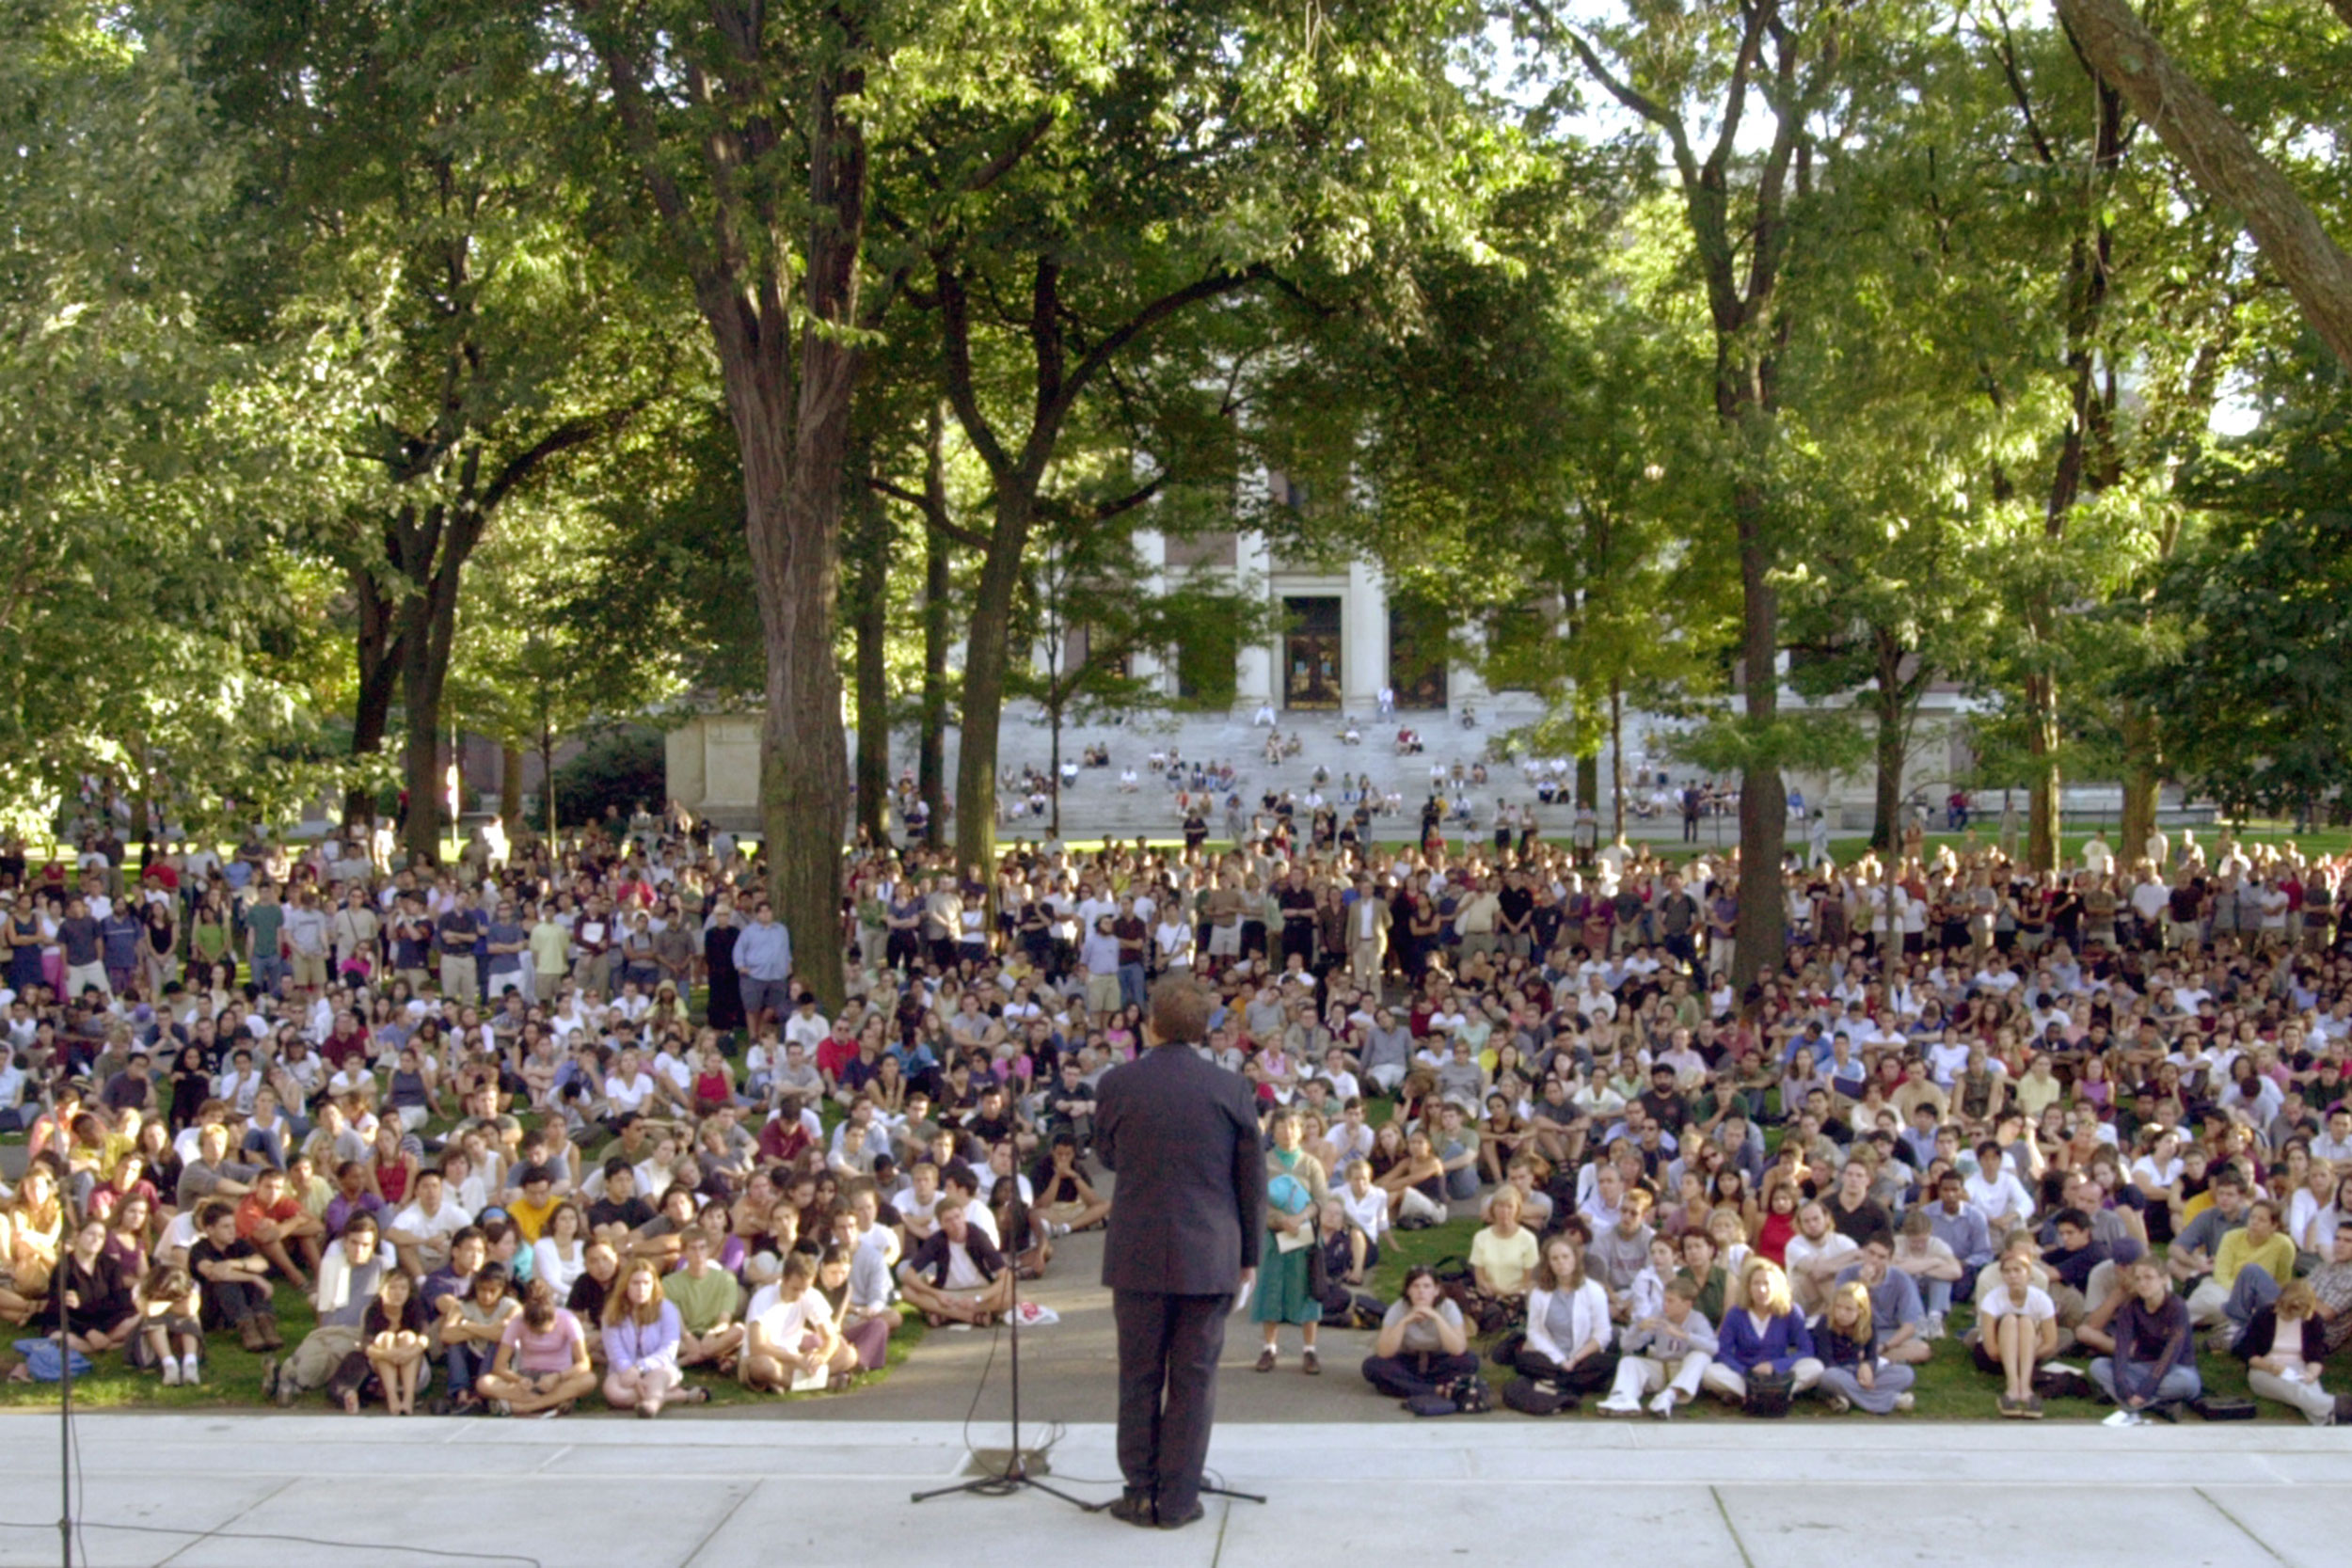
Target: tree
column 745, row 124
column 152, row 628
column 415, row 226
column 2257, row 692
column 2225, row 159
column 1784, row 60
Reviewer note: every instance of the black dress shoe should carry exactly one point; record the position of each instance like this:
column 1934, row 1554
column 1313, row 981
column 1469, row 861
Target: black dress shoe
column 1132, row 1508
column 1178, row 1520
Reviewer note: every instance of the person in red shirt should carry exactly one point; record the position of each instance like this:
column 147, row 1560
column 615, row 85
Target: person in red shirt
column 273, row 1220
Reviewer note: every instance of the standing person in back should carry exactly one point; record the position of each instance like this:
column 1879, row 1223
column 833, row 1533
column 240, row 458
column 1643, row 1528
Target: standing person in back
column 1184, row 1233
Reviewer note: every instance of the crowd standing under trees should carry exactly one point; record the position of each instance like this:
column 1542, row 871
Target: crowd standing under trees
column 562, row 1126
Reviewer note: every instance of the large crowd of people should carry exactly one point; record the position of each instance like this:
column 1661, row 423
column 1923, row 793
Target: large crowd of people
column 545, row 1126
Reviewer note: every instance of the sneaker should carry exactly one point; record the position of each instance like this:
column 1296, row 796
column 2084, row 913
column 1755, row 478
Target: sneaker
column 191, row 1373
column 2125, row 1418
column 1935, row 1326
column 1905, row 1399
column 1839, row 1404
column 2032, row 1407
column 171, row 1372
column 1310, row 1363
column 1663, row 1405
column 1615, row 1406
column 2010, row 1406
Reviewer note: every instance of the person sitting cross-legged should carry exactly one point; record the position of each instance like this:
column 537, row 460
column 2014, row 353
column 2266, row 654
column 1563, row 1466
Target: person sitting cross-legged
column 1762, row 1332
column 640, row 1345
column 1569, row 1339
column 1665, row 1356
column 956, row 1274
column 542, row 1359
column 1422, row 1345
column 789, row 1336
column 2150, row 1360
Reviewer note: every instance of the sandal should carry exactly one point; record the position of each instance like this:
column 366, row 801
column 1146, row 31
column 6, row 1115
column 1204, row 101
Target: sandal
column 692, row 1396
column 1266, row 1359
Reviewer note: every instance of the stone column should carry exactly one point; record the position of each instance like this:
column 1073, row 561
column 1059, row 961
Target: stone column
column 1253, row 678
column 1152, row 550
column 1365, row 630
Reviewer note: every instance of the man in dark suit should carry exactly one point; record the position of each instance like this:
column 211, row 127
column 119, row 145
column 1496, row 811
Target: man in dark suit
column 1186, row 1219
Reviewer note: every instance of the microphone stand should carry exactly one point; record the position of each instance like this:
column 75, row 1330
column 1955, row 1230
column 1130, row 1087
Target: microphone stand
column 1016, row 1475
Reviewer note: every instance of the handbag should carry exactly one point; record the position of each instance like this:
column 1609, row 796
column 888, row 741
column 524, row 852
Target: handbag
column 2211, row 1408
column 1532, row 1397
column 1770, row 1394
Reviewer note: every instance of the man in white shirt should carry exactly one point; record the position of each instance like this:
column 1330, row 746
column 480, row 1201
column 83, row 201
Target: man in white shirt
column 792, row 1338
column 420, row 1232
column 1995, row 1189
column 1813, row 1256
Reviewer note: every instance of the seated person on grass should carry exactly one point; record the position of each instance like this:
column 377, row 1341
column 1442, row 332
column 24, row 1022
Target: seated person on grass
column 234, row 1278
column 707, row 1300
column 272, row 1219
column 351, row 1274
column 957, row 1274
column 542, row 1359
column 791, row 1335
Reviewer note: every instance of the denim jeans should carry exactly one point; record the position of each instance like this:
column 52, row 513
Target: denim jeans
column 2179, row 1384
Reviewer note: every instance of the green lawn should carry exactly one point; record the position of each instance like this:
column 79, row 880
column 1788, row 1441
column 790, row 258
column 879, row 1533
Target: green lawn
column 1948, row 1388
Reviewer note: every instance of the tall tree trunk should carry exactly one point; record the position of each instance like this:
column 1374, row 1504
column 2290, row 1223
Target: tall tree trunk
column 1617, row 760
column 547, row 814
column 379, row 657
column 1588, row 780
column 511, row 786
column 794, row 433
column 2044, row 816
column 987, row 655
column 871, row 595
column 931, row 756
column 431, row 628
column 1892, row 742
column 1760, row 931
column 2144, row 778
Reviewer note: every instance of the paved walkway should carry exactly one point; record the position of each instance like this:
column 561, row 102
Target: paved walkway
column 734, row 1495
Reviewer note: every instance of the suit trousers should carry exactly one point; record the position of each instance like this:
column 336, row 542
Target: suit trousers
column 1168, row 1347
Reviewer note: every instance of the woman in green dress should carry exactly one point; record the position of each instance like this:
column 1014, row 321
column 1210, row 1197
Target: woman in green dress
column 1295, row 1188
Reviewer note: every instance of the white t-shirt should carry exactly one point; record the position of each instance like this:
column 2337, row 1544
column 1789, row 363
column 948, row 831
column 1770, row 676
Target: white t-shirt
column 1999, row 1303
column 782, row 1321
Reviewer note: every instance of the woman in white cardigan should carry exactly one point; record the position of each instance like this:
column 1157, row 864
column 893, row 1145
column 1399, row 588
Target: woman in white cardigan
column 1570, row 1340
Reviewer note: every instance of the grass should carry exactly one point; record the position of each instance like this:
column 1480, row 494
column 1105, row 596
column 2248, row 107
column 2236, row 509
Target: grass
column 1947, row 1386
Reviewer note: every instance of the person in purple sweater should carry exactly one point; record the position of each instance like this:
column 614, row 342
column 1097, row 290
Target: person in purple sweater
column 1763, row 1331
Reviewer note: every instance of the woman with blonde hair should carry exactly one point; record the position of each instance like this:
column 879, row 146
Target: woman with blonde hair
column 1852, row 1372
column 1762, row 1332
column 2282, row 1347
column 640, row 1340
column 32, row 1228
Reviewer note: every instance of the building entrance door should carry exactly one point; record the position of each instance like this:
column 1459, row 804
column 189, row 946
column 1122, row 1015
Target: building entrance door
column 1310, row 652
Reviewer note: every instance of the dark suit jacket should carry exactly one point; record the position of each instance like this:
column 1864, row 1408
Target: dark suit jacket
column 1189, row 1206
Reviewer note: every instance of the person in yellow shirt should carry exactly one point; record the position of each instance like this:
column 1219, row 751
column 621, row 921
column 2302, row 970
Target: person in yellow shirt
column 537, row 1205
column 1502, row 1255
column 2261, row 1241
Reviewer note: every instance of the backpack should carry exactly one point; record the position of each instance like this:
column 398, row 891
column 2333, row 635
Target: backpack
column 1531, row 1398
